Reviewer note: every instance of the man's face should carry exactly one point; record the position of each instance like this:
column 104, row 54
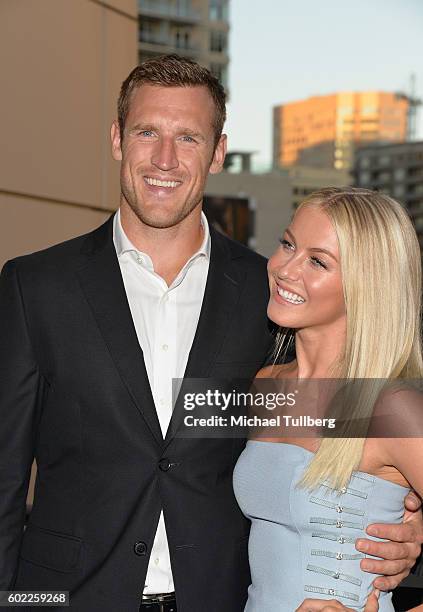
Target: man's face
column 167, row 152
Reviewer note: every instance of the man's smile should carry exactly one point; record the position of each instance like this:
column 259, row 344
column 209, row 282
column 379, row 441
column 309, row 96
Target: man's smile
column 156, row 182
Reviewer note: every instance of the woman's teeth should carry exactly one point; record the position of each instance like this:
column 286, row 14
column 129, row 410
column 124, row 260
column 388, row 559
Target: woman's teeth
column 290, row 297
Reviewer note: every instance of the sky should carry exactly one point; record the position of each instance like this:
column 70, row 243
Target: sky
column 285, row 50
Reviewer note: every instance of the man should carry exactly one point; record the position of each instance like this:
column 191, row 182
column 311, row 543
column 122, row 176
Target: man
column 92, row 332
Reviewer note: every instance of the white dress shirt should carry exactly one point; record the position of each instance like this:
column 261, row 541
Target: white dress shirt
column 165, row 320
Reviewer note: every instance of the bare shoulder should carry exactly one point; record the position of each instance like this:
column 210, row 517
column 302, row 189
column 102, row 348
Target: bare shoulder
column 399, row 411
column 284, row 370
column 266, row 372
column 394, row 450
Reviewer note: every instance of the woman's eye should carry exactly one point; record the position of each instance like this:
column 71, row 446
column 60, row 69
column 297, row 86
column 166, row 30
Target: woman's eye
column 286, row 244
column 318, row 263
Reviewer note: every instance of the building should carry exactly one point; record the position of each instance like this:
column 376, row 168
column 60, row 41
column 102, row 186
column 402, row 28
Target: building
column 397, row 170
column 304, row 180
column 268, row 200
column 267, row 197
column 194, row 28
column 323, row 131
column 62, row 64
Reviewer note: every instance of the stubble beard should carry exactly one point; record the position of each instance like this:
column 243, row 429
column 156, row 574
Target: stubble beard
column 135, row 204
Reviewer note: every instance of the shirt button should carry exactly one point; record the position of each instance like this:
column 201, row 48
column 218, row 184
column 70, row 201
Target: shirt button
column 140, row 548
column 164, row 464
column 140, row 259
column 165, row 347
column 156, row 561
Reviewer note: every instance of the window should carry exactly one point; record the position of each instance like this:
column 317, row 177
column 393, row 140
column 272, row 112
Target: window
column 218, row 41
column 364, row 178
column 399, row 174
column 221, row 72
column 384, row 160
column 369, row 110
column 218, row 10
column 399, row 191
column 182, row 39
column 384, row 177
column 345, row 110
column 418, row 223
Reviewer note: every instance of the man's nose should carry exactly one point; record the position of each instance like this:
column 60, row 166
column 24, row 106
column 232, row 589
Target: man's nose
column 164, row 155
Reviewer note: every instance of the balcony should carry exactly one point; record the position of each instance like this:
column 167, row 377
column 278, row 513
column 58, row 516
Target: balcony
column 153, row 45
column 165, row 44
column 180, row 12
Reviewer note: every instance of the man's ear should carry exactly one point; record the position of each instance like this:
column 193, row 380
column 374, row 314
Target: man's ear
column 219, row 156
column 116, row 144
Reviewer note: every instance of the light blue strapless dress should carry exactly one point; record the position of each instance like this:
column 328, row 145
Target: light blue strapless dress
column 302, row 543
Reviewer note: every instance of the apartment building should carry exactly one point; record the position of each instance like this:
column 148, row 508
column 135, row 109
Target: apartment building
column 195, row 28
column 323, row 131
column 397, row 170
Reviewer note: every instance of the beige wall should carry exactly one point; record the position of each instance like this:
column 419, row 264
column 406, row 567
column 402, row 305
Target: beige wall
column 28, row 224
column 271, row 195
column 62, row 63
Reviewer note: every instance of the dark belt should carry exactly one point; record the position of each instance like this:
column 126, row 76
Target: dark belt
column 162, row 602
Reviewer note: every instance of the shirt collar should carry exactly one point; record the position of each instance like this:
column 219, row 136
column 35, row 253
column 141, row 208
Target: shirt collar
column 124, row 245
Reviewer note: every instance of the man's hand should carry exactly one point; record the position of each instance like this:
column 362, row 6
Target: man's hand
column 332, row 605
column 400, row 553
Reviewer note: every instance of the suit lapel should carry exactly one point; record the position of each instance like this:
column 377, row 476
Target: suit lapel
column 101, row 281
column 221, row 295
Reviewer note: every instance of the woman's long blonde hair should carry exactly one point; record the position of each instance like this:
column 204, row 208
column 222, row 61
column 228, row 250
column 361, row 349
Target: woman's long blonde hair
column 381, row 276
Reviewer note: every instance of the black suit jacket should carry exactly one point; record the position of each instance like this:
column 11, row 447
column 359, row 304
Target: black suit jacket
column 74, row 394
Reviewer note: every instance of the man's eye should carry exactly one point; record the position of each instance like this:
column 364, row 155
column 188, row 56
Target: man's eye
column 318, row 263
column 286, row 244
column 146, row 133
column 188, row 139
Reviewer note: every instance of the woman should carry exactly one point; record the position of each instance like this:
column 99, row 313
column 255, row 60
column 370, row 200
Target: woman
column 346, row 282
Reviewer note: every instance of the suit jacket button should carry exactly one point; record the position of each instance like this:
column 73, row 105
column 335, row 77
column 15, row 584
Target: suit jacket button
column 164, row 464
column 140, row 548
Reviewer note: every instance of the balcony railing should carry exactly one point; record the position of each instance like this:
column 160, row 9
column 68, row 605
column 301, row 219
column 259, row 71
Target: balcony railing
column 165, row 41
column 161, row 8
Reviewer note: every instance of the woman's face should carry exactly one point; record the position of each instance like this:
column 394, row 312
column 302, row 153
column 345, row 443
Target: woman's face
column 305, row 274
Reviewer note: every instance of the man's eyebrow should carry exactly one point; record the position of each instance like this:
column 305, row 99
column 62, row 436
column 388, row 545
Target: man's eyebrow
column 188, row 132
column 313, row 249
column 147, row 127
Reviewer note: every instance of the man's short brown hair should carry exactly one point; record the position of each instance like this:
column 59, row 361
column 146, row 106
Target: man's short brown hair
column 173, row 71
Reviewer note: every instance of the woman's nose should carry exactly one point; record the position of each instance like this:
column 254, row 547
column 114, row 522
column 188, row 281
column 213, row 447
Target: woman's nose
column 290, row 269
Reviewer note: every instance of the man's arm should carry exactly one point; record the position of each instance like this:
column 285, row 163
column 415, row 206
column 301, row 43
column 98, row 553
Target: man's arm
column 400, row 553
column 20, row 386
